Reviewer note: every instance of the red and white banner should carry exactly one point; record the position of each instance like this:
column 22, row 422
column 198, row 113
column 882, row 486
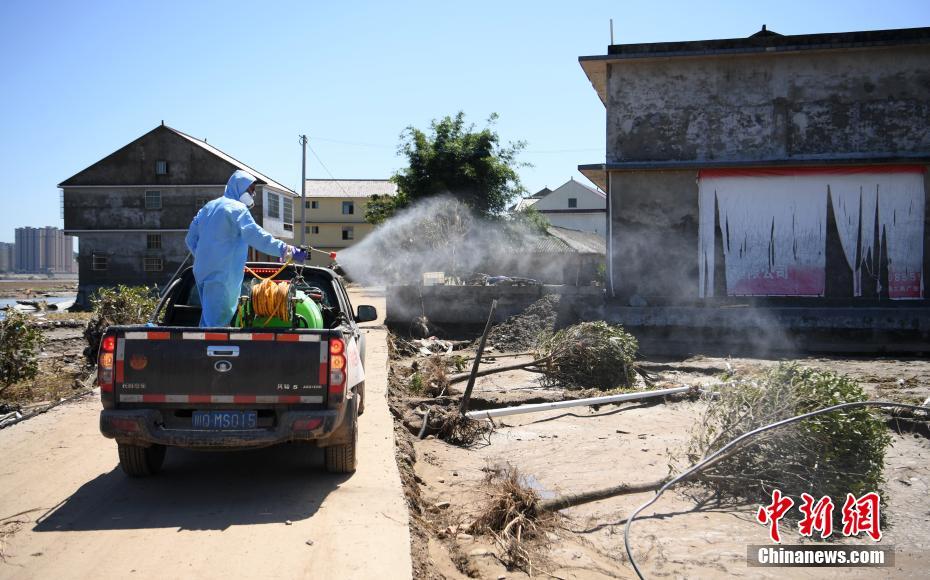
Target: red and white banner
column 773, row 228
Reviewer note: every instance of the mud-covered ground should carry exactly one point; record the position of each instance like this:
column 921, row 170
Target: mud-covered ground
column 63, row 372
column 585, row 448
column 26, row 288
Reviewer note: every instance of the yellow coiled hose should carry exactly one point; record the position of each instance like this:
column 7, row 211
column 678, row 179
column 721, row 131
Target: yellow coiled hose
column 269, row 298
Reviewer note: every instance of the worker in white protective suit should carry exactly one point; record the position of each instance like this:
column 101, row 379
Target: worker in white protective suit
column 219, row 239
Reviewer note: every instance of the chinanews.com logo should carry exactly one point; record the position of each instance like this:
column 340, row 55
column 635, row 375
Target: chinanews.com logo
column 861, row 517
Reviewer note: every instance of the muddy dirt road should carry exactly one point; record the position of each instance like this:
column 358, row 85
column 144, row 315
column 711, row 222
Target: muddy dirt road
column 69, row 512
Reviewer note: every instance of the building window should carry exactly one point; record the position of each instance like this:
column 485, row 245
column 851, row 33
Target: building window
column 100, row 263
column 572, row 202
column 274, row 206
column 315, row 229
column 153, row 241
column 161, row 167
column 288, row 210
column 152, row 200
column 153, row 264
column 348, row 207
column 348, row 233
column 314, row 205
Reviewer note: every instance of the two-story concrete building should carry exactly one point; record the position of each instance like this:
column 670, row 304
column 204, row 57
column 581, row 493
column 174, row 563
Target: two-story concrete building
column 130, row 211
column 335, row 212
column 779, row 171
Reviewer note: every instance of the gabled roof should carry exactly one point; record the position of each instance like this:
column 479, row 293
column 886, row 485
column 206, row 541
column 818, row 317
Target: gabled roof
column 349, row 187
column 579, row 241
column 261, row 177
column 229, row 158
column 572, row 181
column 541, row 193
column 524, row 203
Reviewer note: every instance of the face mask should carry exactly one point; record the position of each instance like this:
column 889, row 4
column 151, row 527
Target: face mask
column 246, row 198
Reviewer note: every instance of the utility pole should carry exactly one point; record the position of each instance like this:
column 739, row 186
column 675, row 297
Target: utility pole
column 303, row 190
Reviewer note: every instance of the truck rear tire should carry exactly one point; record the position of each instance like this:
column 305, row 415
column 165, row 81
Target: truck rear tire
column 341, row 458
column 138, row 461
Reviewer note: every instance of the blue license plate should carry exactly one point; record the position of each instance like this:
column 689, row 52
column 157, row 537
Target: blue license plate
column 225, row 420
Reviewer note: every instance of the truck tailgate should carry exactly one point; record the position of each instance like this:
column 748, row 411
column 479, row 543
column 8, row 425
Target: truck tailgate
column 197, row 368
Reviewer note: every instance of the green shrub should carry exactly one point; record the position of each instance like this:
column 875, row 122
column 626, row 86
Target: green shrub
column 119, row 305
column 416, row 383
column 831, row 454
column 21, row 341
column 590, row 354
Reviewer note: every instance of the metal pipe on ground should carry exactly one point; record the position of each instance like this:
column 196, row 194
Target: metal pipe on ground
column 535, row 408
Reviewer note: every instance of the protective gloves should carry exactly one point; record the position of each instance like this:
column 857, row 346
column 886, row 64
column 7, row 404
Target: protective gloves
column 292, row 253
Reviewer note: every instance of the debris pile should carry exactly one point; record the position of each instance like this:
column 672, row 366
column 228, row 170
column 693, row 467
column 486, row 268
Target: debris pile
column 450, row 425
column 590, row 355
column 429, row 377
column 524, row 331
column 512, row 516
column 829, row 455
column 479, row 279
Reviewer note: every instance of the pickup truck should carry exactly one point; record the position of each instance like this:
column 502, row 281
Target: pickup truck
column 174, row 384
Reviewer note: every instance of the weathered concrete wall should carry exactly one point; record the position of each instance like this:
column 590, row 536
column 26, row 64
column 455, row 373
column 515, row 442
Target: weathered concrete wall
column 677, row 331
column 655, row 241
column 655, row 234
column 682, row 331
column 770, row 106
column 124, row 207
column 585, row 222
column 469, row 305
column 125, row 254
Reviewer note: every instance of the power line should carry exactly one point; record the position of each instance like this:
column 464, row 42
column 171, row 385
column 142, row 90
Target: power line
column 326, row 169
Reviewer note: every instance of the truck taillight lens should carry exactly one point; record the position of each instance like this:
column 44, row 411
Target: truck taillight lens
column 337, row 366
column 105, row 365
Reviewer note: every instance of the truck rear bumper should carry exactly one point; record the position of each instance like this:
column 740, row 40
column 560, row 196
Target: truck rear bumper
column 146, row 427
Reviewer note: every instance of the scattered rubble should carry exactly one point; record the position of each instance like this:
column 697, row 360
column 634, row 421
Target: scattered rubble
column 587, row 468
column 524, row 331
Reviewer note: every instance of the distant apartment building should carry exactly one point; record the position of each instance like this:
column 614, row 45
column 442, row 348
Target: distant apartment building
column 7, row 260
column 131, row 210
column 335, row 212
column 43, row 251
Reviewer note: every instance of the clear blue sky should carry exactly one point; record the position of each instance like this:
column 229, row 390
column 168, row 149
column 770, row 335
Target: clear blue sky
column 81, row 79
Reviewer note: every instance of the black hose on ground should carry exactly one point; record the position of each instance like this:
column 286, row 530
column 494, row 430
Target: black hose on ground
column 733, row 445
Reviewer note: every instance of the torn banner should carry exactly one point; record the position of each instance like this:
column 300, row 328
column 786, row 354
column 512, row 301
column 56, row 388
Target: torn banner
column 773, row 228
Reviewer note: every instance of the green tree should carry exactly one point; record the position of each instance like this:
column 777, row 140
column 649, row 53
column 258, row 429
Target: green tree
column 532, row 218
column 119, row 305
column 21, row 341
column 456, row 158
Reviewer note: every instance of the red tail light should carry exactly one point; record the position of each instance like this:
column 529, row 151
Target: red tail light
column 337, row 369
column 109, row 370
